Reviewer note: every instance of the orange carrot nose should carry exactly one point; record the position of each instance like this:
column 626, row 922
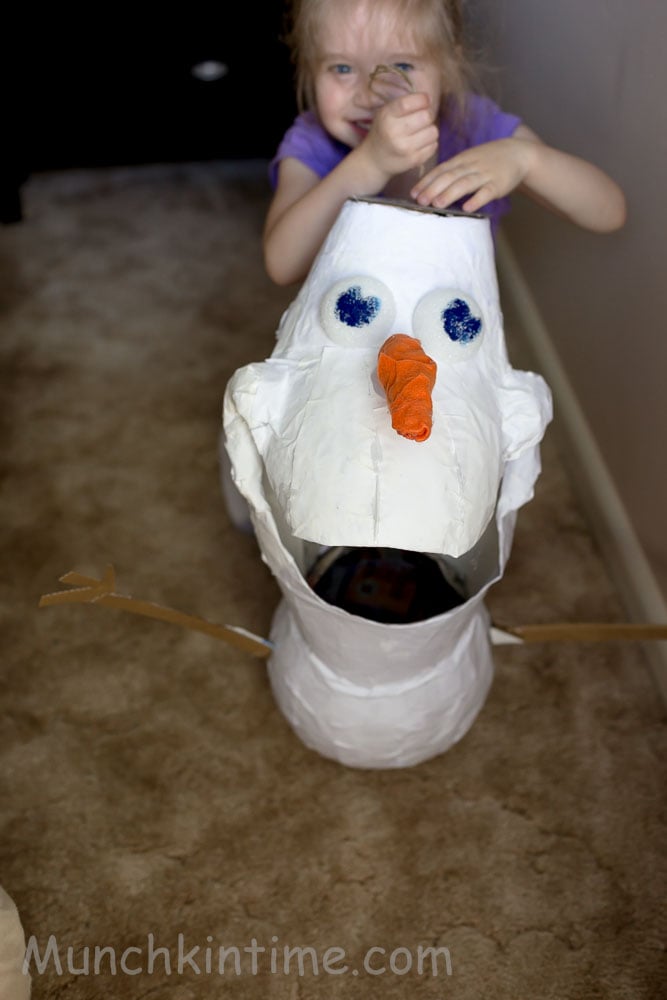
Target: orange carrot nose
column 407, row 376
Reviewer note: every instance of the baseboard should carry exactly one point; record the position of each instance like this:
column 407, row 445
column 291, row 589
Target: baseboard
column 626, row 561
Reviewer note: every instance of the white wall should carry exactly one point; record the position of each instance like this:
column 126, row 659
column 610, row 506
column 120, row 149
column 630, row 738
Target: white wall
column 590, row 76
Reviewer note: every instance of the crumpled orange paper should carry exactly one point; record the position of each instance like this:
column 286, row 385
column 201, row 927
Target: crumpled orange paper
column 407, row 375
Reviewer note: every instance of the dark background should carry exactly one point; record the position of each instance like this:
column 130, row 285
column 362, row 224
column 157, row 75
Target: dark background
column 112, row 86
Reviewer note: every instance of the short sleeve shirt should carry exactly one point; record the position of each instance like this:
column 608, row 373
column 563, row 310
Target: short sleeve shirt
column 309, row 143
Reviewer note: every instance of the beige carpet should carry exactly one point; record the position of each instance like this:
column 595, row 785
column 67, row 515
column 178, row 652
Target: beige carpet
column 150, row 787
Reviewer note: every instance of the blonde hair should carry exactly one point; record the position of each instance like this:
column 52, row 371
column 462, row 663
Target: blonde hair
column 437, row 26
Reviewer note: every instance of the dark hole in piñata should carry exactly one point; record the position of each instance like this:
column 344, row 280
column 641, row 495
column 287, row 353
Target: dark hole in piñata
column 391, row 586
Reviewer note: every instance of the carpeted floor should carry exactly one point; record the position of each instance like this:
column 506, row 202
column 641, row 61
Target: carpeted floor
column 153, row 797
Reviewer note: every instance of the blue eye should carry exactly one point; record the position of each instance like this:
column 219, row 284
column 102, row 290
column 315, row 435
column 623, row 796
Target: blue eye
column 355, row 309
column 449, row 324
column 358, row 312
column 341, row 68
column 459, row 323
column 405, row 67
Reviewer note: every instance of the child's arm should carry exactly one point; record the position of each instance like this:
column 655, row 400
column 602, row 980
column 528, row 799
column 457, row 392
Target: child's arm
column 303, row 209
column 305, row 206
column 567, row 185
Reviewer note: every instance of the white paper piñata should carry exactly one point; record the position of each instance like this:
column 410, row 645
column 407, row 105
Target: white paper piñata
column 313, row 452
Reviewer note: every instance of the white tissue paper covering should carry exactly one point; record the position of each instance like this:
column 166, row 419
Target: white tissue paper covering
column 313, row 452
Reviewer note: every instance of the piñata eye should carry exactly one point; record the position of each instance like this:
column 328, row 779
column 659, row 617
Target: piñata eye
column 449, row 324
column 358, row 312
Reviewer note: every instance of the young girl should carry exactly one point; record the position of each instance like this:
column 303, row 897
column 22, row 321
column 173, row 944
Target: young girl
column 437, row 143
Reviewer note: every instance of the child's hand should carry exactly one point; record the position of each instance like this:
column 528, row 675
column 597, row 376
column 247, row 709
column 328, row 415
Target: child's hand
column 403, row 135
column 483, row 173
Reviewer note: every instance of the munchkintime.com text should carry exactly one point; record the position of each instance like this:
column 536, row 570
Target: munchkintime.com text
column 185, row 958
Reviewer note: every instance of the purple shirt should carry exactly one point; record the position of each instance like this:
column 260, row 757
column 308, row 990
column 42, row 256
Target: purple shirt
column 308, row 142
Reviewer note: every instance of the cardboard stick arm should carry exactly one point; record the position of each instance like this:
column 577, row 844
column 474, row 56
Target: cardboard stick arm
column 92, row 591
column 579, row 632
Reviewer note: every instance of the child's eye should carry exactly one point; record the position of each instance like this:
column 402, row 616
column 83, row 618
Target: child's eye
column 405, row 67
column 341, row 68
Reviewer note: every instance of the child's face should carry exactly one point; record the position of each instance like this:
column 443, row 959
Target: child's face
column 351, row 48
